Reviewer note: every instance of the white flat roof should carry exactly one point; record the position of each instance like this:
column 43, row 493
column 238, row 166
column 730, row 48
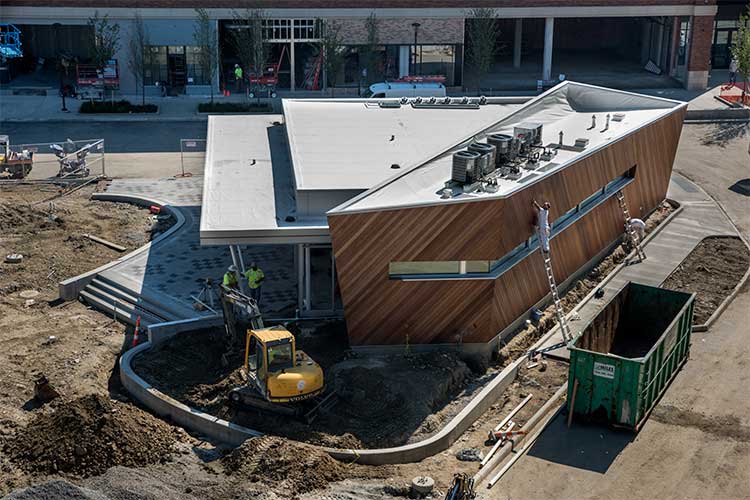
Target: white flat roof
column 568, row 107
column 249, row 191
column 247, row 188
column 350, row 144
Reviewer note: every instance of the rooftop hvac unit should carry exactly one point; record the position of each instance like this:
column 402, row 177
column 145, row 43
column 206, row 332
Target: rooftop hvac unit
column 487, row 160
column 502, row 143
column 529, row 133
column 464, row 166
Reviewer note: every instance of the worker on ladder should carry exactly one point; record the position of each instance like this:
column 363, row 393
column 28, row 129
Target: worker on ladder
column 542, row 224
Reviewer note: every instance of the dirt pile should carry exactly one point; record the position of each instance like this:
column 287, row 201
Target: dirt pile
column 711, row 271
column 87, row 436
column 286, row 466
column 17, row 218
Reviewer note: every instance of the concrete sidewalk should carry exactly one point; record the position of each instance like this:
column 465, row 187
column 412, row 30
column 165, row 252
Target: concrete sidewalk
column 24, row 108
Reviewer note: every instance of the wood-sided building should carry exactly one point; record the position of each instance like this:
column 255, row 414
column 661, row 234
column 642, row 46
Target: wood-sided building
column 356, row 188
column 418, row 265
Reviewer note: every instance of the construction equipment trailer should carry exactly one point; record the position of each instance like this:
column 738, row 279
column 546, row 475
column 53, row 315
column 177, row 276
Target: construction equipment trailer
column 277, row 377
column 13, row 164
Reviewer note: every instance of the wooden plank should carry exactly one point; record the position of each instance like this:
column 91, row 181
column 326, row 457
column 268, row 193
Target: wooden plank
column 102, row 241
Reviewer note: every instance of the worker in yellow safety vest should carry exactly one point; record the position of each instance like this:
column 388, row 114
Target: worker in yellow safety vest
column 255, row 278
column 230, row 277
column 238, row 77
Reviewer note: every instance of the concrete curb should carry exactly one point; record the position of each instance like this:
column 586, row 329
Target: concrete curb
column 163, row 405
column 71, row 287
column 728, row 300
column 534, row 421
column 717, row 115
column 161, row 332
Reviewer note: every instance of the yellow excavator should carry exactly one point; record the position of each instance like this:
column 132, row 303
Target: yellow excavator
column 277, row 377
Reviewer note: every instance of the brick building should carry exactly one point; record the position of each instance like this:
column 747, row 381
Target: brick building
column 605, row 42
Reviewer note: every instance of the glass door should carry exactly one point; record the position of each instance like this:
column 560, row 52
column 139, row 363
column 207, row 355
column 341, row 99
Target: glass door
column 321, row 295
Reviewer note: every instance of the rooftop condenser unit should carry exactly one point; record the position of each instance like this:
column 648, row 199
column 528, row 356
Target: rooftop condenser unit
column 465, row 165
column 487, row 158
column 502, row 143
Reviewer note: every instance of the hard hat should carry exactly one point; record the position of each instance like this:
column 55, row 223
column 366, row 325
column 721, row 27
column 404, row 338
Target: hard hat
column 236, row 65
column 253, row 264
column 232, row 268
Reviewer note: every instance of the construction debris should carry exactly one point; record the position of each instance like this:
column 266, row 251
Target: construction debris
column 470, row 455
column 422, row 486
column 13, row 258
column 43, row 390
column 102, row 241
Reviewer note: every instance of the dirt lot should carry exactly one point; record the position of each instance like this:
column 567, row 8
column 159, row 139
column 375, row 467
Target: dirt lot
column 81, row 358
column 711, row 271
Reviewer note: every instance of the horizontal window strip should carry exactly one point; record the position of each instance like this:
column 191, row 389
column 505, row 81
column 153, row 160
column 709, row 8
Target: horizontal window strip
column 484, row 269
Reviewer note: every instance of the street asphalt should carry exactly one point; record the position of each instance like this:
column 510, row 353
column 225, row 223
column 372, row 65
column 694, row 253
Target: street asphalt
column 119, row 137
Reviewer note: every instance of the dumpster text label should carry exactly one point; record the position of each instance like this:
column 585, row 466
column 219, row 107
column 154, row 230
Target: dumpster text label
column 604, row 370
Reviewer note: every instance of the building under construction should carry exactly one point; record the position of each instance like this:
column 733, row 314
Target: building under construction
column 414, row 217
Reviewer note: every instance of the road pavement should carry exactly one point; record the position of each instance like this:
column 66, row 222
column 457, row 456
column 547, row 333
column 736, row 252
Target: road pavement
column 132, row 149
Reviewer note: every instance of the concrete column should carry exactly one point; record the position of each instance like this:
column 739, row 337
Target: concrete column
column 517, row 43
column 404, row 57
column 299, row 260
column 645, row 42
column 699, row 52
column 659, row 42
column 292, row 83
column 549, row 32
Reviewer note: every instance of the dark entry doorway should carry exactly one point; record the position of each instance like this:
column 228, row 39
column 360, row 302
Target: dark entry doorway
column 177, row 68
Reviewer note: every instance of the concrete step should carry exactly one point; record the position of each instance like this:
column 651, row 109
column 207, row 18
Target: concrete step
column 160, row 303
column 124, row 310
column 118, row 291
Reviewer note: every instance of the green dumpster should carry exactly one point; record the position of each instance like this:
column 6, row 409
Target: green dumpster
column 624, row 359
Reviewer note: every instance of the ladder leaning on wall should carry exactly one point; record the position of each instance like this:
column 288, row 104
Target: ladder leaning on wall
column 629, row 231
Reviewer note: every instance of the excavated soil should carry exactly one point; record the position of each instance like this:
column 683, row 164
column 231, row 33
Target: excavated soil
column 88, row 435
column 520, row 341
column 711, row 271
column 381, row 401
column 290, row 468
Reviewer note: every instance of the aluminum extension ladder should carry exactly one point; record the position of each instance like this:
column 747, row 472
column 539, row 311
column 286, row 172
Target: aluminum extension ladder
column 559, row 312
column 629, row 231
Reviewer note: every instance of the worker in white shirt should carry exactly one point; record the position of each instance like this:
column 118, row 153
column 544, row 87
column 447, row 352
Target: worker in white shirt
column 542, row 224
column 639, row 227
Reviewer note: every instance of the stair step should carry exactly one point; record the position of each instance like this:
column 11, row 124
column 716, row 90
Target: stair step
column 123, row 314
column 126, row 295
column 166, row 309
column 129, row 308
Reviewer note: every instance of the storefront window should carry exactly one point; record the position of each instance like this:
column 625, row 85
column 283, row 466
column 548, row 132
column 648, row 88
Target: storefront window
column 436, row 60
column 195, row 74
column 156, row 67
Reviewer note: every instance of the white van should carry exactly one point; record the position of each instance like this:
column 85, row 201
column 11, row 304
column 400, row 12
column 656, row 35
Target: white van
column 382, row 90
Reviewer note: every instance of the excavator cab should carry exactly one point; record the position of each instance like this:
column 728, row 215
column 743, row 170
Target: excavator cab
column 278, row 371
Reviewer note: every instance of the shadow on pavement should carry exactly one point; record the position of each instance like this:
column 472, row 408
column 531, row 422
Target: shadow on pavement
column 589, row 447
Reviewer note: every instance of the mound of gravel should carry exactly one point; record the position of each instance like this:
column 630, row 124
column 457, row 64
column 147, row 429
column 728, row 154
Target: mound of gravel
column 87, row 436
column 55, row 490
column 285, row 465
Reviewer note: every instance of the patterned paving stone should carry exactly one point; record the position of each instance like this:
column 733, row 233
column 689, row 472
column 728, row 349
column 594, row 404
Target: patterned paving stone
column 179, row 266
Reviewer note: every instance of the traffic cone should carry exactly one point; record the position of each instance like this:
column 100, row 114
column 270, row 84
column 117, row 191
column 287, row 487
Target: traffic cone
column 137, row 329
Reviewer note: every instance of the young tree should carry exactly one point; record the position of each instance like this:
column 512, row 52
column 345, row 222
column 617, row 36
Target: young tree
column 105, row 39
column 482, row 41
column 741, row 51
column 249, row 41
column 139, row 54
column 368, row 52
column 332, row 50
column 204, row 35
